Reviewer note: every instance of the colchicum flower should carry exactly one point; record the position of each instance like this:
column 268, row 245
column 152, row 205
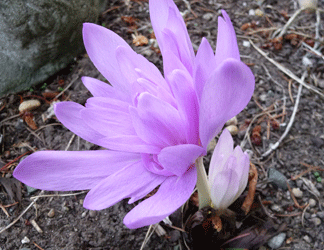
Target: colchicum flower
column 228, row 172
column 155, row 127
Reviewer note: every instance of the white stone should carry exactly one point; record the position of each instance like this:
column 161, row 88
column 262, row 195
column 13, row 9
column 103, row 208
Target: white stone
column 311, row 4
column 208, row 16
column 232, row 129
column 258, row 12
column 25, row 240
column 297, row 192
column 277, row 241
column 232, row 121
column 29, row 105
column 246, row 44
column 251, row 12
column 312, row 202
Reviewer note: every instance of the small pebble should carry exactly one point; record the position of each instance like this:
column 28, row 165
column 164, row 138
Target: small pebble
column 51, row 213
column 311, row 4
column 251, row 12
column 232, row 129
column 276, row 208
column 312, row 202
column 321, row 83
column 29, row 105
column 297, row 192
column 208, row 16
column 263, row 97
column 92, row 213
column 307, row 239
column 277, row 241
column 65, row 208
column 174, row 235
column 258, row 12
column 246, row 44
column 25, row 240
column 232, row 121
column 31, row 190
column 316, row 221
column 84, row 214
column 320, row 214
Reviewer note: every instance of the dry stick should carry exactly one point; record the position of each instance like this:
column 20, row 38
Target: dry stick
column 14, row 222
column 287, row 71
column 291, row 121
column 70, row 84
column 291, row 19
column 147, row 236
column 57, row 195
column 70, row 142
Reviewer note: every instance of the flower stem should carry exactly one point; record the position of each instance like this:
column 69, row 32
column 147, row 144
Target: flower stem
column 202, row 184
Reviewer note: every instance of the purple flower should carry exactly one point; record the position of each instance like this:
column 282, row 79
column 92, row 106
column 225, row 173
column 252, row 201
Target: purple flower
column 228, row 172
column 155, row 126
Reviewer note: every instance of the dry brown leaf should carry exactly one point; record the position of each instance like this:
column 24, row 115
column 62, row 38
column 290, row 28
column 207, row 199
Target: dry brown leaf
column 140, row 40
column 253, row 179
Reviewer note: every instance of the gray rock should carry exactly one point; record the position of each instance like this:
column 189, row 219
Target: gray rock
column 277, row 241
column 277, row 178
column 31, row 190
column 40, row 37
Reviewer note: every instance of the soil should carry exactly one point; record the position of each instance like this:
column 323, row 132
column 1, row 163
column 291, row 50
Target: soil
column 65, row 224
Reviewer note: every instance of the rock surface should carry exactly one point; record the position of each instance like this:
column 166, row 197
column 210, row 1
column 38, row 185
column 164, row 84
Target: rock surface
column 40, row 37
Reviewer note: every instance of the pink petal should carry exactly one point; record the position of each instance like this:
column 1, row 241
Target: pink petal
column 102, row 89
column 71, row 170
column 157, row 120
column 177, row 159
column 106, row 102
column 223, row 149
column 226, row 93
column 69, row 113
column 108, row 121
column 173, row 193
column 226, row 40
column 101, row 45
column 129, row 143
column 225, row 185
column 171, row 62
column 120, row 185
column 135, row 66
column 205, row 64
column 166, row 19
column 187, row 104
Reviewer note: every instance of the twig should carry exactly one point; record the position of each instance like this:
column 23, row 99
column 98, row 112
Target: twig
column 291, row 19
column 294, row 198
column 38, row 246
column 316, row 52
column 70, row 84
column 70, row 142
column 14, row 222
column 287, row 71
column 57, row 195
column 14, row 160
column 4, row 210
column 317, row 29
column 147, row 236
column 291, row 121
column 303, row 215
column 9, row 118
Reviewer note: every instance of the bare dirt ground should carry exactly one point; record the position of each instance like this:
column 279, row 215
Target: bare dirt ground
column 65, row 224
